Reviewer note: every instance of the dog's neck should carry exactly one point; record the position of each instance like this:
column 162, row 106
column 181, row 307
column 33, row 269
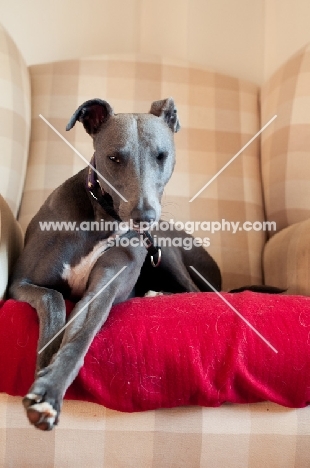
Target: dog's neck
column 97, row 192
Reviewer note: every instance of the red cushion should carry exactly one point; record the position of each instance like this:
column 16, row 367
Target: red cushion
column 185, row 349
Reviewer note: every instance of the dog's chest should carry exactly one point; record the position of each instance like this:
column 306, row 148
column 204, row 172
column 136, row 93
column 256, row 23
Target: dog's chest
column 77, row 275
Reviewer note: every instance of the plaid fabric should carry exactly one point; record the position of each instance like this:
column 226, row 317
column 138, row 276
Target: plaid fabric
column 287, row 259
column 14, row 121
column 218, row 114
column 11, row 243
column 236, row 436
column 286, row 143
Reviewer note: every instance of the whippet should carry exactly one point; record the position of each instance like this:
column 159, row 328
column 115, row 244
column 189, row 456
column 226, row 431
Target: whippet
column 135, row 154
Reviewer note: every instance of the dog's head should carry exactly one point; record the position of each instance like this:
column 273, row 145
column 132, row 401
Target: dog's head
column 135, row 153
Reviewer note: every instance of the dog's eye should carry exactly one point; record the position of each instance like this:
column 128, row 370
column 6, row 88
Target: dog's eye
column 114, row 159
column 161, row 156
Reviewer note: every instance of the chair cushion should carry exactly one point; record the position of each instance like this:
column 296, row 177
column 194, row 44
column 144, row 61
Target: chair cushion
column 185, row 349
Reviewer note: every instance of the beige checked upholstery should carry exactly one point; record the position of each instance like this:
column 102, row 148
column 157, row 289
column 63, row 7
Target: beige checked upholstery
column 11, row 243
column 287, row 259
column 285, row 158
column 286, row 143
column 233, row 436
column 15, row 121
column 218, row 114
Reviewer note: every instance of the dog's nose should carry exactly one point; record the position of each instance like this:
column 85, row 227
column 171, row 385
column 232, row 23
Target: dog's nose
column 146, row 216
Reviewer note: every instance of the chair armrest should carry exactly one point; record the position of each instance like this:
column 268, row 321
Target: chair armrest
column 286, row 259
column 11, row 243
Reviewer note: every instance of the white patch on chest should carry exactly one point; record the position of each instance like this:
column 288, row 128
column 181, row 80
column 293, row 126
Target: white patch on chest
column 77, row 276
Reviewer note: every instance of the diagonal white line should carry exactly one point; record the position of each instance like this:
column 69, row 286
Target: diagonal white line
column 235, row 310
column 84, row 307
column 232, row 159
column 82, row 157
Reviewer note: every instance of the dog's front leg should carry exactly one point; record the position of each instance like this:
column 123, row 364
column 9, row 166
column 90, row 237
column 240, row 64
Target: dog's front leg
column 44, row 400
column 51, row 310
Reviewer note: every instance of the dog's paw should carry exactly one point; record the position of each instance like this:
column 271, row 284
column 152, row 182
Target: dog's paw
column 41, row 412
column 151, row 293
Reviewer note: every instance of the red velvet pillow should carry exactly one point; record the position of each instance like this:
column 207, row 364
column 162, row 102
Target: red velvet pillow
column 185, row 349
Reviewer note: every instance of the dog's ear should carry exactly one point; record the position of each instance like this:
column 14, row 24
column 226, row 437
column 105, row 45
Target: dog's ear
column 92, row 114
column 166, row 110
